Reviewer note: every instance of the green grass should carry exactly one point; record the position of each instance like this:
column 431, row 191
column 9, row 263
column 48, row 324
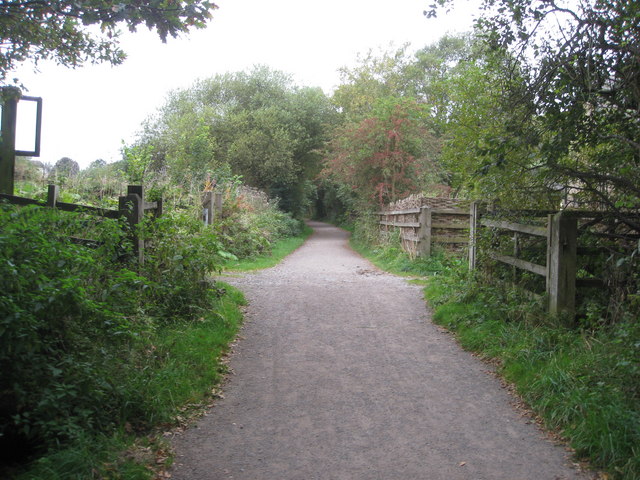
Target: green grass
column 280, row 250
column 583, row 383
column 182, row 365
column 394, row 260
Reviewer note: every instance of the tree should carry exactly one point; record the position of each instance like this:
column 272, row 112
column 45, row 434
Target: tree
column 256, row 124
column 61, row 30
column 579, row 72
column 382, row 157
column 65, row 169
column 97, row 163
column 374, row 77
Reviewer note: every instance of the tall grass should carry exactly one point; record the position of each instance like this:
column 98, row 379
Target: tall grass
column 182, row 365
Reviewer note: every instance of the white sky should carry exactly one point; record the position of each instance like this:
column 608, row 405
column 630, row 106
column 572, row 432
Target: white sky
column 88, row 112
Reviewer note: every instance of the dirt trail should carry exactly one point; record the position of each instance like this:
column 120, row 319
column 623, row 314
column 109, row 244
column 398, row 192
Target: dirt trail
column 341, row 375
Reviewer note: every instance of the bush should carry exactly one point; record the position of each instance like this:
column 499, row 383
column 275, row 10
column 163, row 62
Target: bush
column 77, row 323
column 252, row 224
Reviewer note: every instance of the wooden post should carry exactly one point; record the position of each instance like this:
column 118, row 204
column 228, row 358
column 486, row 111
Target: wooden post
column 10, row 97
column 207, row 208
column 424, row 232
column 52, row 196
column 132, row 208
column 474, row 219
column 561, row 263
column 158, row 211
column 217, row 198
column 516, row 254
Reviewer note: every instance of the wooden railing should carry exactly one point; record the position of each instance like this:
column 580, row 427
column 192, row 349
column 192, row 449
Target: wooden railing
column 559, row 231
column 422, row 228
column 131, row 206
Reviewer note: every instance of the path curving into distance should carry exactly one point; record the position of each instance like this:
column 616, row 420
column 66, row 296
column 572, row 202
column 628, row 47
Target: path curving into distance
column 341, row 375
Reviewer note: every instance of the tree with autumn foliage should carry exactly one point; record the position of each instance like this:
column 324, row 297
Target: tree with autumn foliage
column 382, row 157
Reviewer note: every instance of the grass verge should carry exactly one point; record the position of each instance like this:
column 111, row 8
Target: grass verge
column 183, row 363
column 583, row 383
column 394, row 260
column 279, row 251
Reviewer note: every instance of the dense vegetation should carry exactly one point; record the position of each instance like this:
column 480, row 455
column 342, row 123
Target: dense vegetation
column 97, row 350
column 256, row 125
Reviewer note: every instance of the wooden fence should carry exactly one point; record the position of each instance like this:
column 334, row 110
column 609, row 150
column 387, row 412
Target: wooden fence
column 558, row 231
column 131, row 206
column 421, row 228
column 211, row 206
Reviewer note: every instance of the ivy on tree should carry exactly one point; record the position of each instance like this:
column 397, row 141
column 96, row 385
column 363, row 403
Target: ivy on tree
column 66, row 31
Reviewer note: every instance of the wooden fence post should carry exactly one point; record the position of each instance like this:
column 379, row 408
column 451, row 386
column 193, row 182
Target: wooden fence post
column 157, row 213
column 10, row 97
column 217, row 196
column 132, row 208
column 474, row 219
column 52, row 196
column 207, row 208
column 561, row 263
column 424, row 232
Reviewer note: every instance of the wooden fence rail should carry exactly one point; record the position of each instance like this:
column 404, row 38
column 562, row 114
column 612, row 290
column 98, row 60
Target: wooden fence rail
column 560, row 234
column 421, row 228
column 131, row 206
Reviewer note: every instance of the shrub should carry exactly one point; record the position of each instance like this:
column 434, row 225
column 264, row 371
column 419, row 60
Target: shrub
column 76, row 323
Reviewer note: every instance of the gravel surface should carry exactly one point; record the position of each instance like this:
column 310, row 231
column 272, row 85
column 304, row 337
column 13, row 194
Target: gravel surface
column 341, row 375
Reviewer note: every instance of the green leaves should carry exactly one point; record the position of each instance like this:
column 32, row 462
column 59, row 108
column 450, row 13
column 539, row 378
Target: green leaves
column 73, row 318
column 380, row 157
column 58, row 29
column 256, row 124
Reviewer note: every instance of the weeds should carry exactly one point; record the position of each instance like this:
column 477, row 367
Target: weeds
column 280, row 249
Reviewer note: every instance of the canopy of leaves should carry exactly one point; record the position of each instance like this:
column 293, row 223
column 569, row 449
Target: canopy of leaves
column 383, row 156
column 61, row 30
column 257, row 124
column 573, row 79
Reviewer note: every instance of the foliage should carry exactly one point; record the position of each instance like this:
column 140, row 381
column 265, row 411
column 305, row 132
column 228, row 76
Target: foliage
column 570, row 80
column 65, row 32
column 256, row 124
column 79, row 327
column 181, row 254
column 372, row 78
column 279, row 250
column 381, row 157
column 399, row 77
column 64, row 170
column 251, row 224
column 138, row 159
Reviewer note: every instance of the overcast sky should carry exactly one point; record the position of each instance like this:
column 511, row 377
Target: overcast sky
column 88, row 112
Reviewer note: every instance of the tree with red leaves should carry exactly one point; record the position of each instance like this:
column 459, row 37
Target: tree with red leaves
column 382, row 157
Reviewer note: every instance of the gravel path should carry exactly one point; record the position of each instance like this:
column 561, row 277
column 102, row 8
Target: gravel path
column 341, row 375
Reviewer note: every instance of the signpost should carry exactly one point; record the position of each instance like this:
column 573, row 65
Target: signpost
column 9, row 98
